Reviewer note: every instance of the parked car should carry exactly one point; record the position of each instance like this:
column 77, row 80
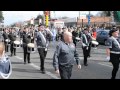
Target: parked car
column 102, row 36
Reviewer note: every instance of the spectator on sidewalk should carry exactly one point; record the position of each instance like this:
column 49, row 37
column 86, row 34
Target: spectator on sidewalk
column 5, row 63
column 64, row 56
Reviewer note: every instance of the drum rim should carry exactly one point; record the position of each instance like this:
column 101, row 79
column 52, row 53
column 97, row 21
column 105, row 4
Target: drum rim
column 30, row 46
column 95, row 42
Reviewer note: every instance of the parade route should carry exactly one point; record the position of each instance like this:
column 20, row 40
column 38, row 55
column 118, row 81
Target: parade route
column 97, row 67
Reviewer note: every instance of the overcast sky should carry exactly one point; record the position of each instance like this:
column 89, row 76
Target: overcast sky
column 15, row 16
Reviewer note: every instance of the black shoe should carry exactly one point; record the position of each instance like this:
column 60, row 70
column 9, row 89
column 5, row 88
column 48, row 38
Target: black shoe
column 89, row 56
column 85, row 64
column 14, row 54
column 24, row 62
column 43, row 72
column 11, row 55
column 29, row 62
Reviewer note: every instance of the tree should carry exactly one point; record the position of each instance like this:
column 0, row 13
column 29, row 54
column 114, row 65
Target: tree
column 104, row 13
column 40, row 17
column 1, row 16
column 116, row 16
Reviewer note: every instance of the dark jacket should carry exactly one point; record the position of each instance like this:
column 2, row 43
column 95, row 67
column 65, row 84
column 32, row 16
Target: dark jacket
column 12, row 36
column 26, row 39
column 88, row 37
column 5, row 35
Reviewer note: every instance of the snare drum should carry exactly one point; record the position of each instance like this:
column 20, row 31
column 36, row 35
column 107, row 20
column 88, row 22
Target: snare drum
column 95, row 42
column 16, row 44
column 7, row 41
column 31, row 48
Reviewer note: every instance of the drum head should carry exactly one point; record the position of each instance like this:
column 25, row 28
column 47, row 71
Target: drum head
column 7, row 40
column 31, row 45
column 95, row 42
column 77, row 38
column 17, row 42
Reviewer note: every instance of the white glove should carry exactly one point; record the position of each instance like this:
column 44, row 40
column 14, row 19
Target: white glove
column 45, row 49
column 108, row 58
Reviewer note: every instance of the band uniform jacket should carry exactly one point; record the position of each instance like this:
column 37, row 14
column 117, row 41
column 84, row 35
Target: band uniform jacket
column 84, row 41
column 42, row 40
column 5, row 36
column 12, row 37
column 26, row 38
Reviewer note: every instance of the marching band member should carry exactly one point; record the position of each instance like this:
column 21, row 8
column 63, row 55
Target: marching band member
column 12, row 36
column 26, row 40
column 90, row 44
column 75, row 34
column 64, row 56
column 86, row 39
column 21, row 36
column 5, row 63
column 5, row 36
column 42, row 44
column 113, row 50
column 32, row 33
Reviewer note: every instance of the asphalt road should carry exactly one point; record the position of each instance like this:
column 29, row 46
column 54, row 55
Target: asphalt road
column 98, row 67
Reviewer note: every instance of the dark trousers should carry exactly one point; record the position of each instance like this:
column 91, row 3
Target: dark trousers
column 86, row 54
column 115, row 60
column 89, row 49
column 32, row 40
column 65, row 71
column 12, row 49
column 6, row 47
column 26, row 54
column 42, row 54
column 75, row 42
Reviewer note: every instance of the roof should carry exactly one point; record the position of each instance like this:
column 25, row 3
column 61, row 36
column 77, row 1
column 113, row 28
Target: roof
column 97, row 19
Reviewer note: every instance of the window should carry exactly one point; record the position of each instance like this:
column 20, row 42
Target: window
column 103, row 33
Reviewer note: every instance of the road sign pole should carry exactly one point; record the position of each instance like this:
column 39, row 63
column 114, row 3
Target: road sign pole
column 88, row 19
column 82, row 23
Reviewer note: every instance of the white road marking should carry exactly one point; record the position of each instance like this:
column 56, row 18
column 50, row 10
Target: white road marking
column 105, row 65
column 19, row 57
column 48, row 73
column 38, row 68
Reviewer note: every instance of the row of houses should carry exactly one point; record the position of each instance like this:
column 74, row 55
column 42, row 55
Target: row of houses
column 72, row 21
column 93, row 21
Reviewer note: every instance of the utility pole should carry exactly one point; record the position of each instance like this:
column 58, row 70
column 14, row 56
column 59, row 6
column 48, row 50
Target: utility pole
column 79, row 14
column 89, row 18
column 112, row 16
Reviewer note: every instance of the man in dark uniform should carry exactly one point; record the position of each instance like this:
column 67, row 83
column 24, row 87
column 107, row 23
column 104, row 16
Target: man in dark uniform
column 86, row 40
column 75, row 34
column 32, row 34
column 90, row 44
column 64, row 57
column 113, row 51
column 42, row 44
column 26, row 40
column 5, row 36
column 12, row 36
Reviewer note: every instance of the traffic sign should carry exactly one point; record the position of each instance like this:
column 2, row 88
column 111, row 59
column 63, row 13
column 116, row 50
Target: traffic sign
column 88, row 19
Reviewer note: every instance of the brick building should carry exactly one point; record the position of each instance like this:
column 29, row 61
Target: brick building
column 95, row 21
